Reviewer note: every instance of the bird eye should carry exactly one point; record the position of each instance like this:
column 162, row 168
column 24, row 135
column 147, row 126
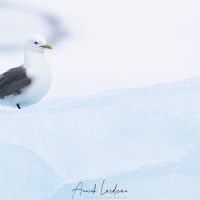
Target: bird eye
column 36, row 43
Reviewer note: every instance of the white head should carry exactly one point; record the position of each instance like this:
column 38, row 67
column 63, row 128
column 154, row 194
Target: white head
column 36, row 43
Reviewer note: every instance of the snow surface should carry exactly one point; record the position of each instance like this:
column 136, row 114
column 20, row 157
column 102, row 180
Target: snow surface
column 24, row 175
column 146, row 140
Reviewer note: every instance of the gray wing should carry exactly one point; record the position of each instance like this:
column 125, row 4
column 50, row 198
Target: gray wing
column 13, row 82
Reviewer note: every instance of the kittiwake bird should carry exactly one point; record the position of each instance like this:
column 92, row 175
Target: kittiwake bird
column 27, row 84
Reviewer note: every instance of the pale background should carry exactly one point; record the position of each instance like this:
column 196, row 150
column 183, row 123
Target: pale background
column 146, row 140
column 107, row 44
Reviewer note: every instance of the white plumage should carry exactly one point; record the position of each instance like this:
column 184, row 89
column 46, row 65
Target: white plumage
column 27, row 84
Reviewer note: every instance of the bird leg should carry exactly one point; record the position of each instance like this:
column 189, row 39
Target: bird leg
column 18, row 106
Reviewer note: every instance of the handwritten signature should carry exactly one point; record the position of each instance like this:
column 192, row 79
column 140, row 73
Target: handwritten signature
column 80, row 189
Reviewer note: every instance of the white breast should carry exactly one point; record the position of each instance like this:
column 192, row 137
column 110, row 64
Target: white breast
column 37, row 68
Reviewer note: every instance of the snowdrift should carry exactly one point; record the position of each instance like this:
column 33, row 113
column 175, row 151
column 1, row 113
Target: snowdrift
column 146, row 139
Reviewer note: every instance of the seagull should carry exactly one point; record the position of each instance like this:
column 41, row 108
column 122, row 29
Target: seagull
column 27, row 84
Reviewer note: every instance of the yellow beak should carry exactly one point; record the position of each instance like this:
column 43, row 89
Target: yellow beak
column 47, row 46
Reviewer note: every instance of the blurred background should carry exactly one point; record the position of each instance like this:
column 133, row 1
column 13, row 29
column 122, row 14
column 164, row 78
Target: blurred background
column 107, row 44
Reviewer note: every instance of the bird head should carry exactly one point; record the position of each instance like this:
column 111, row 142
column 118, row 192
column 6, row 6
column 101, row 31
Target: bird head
column 36, row 43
